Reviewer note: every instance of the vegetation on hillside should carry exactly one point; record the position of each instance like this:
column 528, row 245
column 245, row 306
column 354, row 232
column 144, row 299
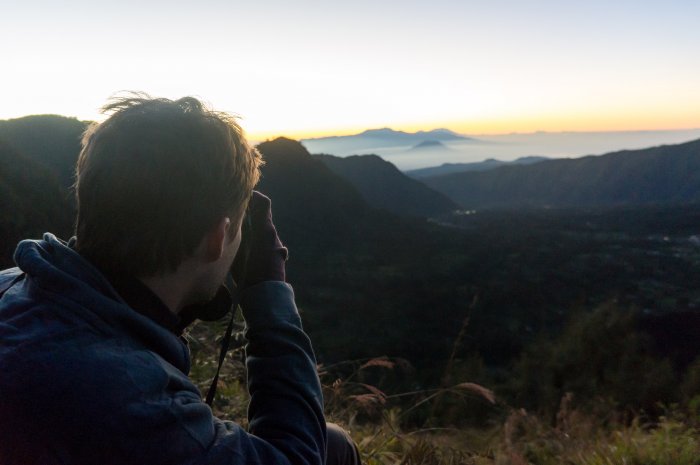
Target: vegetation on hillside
column 31, row 201
column 49, row 140
column 436, row 425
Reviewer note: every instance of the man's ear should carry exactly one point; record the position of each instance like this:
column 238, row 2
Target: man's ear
column 216, row 240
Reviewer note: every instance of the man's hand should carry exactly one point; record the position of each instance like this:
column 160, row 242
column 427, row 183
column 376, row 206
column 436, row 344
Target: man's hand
column 261, row 256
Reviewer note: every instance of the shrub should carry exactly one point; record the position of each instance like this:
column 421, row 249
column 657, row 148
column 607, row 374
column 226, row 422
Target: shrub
column 599, row 355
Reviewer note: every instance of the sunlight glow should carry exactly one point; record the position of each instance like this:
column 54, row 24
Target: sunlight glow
column 301, row 70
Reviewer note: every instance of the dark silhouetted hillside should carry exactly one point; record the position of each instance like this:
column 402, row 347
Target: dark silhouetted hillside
column 31, row 202
column 309, row 199
column 51, row 140
column 357, row 270
column 660, row 175
column 383, row 186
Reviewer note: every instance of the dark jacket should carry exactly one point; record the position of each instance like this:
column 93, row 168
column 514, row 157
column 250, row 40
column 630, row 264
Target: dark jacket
column 85, row 379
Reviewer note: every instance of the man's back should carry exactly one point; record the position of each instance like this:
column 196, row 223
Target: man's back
column 86, row 379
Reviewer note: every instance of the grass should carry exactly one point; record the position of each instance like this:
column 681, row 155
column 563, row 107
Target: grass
column 524, row 439
column 411, row 428
column 514, row 437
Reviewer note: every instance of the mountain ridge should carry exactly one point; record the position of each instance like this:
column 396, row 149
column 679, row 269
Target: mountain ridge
column 488, row 164
column 378, row 138
column 386, row 132
column 661, row 174
column 384, row 186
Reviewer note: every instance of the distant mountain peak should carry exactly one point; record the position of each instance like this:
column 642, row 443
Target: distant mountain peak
column 380, row 132
column 440, row 131
column 378, row 138
column 285, row 148
column 430, row 144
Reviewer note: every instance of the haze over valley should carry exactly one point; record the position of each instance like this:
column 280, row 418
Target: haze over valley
column 402, row 148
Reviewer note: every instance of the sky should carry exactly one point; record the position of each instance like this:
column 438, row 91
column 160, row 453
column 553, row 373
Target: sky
column 316, row 68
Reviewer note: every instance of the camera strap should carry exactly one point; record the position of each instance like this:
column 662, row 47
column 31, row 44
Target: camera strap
column 225, row 343
column 238, row 269
column 235, row 298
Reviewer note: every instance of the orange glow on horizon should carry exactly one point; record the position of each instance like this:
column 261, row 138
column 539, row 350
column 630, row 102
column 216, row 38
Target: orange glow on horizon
column 260, row 136
column 582, row 123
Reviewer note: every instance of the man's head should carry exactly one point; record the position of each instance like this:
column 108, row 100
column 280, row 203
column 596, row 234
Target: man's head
column 157, row 177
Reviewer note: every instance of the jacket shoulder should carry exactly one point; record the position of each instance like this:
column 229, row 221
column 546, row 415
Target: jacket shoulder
column 9, row 277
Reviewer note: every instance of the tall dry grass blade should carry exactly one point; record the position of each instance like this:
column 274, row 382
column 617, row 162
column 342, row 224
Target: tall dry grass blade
column 478, row 390
column 458, row 341
column 383, row 362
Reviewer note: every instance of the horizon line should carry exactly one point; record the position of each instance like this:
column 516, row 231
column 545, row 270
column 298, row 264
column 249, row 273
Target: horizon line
column 261, row 137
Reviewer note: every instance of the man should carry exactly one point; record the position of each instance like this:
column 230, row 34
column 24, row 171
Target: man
column 93, row 367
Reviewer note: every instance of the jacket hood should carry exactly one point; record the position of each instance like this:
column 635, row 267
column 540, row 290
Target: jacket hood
column 56, row 267
column 63, row 277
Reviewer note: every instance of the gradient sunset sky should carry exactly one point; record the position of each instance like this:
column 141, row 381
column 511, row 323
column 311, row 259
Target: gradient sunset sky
column 312, row 68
